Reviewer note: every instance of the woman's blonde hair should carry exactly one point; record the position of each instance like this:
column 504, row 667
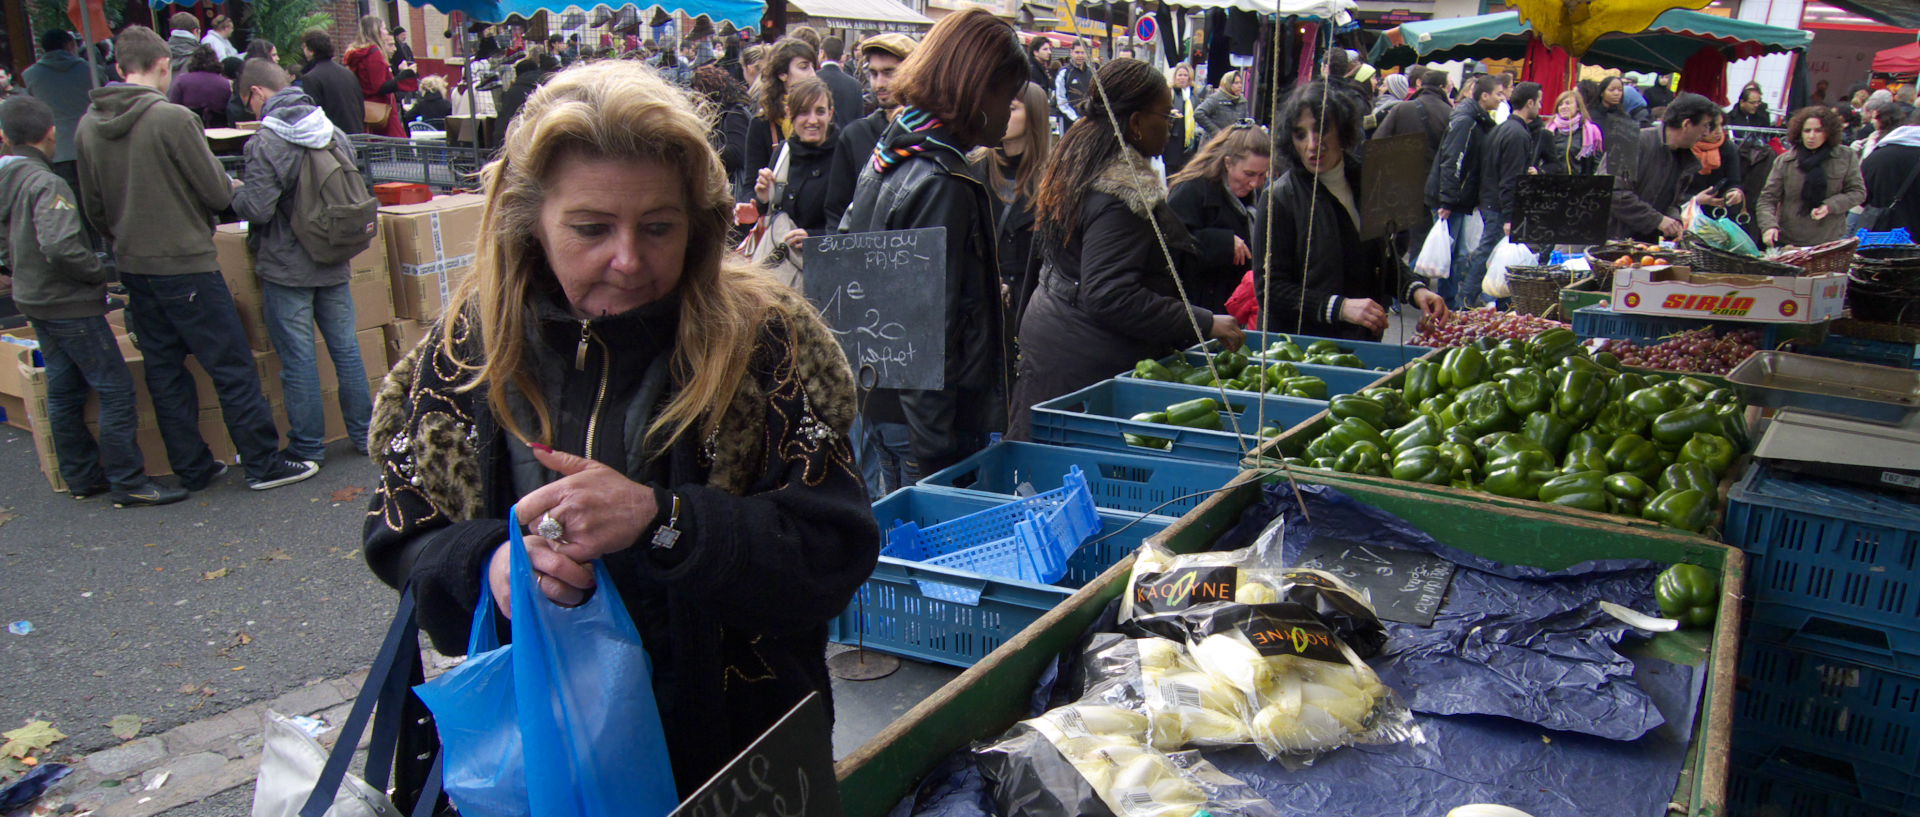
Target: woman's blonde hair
column 1234, row 144
column 433, row 84
column 624, row 111
column 370, row 28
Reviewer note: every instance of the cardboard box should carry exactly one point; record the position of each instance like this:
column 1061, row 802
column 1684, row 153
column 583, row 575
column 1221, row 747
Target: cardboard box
column 17, row 347
column 13, row 412
column 236, row 261
column 1681, row 293
column 430, row 247
column 153, row 448
column 373, row 304
column 401, row 336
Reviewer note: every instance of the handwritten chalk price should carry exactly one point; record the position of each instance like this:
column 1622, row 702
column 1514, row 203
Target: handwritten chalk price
column 884, row 295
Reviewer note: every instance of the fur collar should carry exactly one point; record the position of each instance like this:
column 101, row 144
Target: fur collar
column 1130, row 178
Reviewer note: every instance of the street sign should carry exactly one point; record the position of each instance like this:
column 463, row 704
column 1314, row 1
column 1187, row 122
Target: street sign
column 1146, row 29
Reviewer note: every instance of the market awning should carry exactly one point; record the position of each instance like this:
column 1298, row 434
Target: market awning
column 882, row 15
column 742, row 13
column 1339, row 11
column 1664, row 47
column 1902, row 60
column 1896, row 13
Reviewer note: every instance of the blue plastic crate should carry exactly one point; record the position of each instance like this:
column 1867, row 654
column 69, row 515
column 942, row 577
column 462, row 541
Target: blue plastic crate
column 1097, row 416
column 1340, row 379
column 892, row 612
column 1646, row 330
column 1382, row 356
column 1759, row 788
column 1125, row 482
column 1894, row 237
column 1834, row 566
column 1864, row 350
column 1028, row 539
column 1822, row 712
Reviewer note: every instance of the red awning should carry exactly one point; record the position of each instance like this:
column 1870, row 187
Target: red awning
column 1902, row 60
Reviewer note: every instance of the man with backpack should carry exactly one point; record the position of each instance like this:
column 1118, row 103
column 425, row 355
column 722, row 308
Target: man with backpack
column 308, row 214
column 151, row 187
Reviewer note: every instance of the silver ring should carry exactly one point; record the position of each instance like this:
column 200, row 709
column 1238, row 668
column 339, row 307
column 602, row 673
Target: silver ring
column 550, row 529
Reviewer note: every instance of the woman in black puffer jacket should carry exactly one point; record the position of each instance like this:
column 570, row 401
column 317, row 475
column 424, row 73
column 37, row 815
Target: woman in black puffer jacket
column 809, row 158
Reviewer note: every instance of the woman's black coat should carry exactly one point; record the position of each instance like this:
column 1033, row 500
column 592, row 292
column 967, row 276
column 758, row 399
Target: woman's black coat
column 1322, row 259
column 1210, row 214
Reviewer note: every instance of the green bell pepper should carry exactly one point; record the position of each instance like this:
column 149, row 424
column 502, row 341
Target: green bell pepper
column 1286, row 350
column 1198, row 377
column 1519, row 475
column 1552, row 346
column 1633, row 454
column 1607, row 360
column 1353, row 405
column 1584, row 459
column 1674, row 428
column 1324, row 347
column 1456, row 434
column 1229, row 363
column 1617, row 418
column 1349, row 431
column 1363, row 457
column 1583, row 489
column 1688, row 593
column 1324, row 463
column 1689, row 476
column 1733, row 424
column 1549, row 430
column 1712, row 450
column 1591, row 438
column 1145, row 441
column 1721, row 397
column 1627, row 486
column 1152, row 370
column 1683, row 508
column 1462, row 367
column 1623, row 384
column 1282, row 370
column 1201, row 413
column 1581, row 363
column 1422, row 463
column 1506, row 443
column 1345, row 361
column 1308, row 386
column 1421, row 432
column 1527, row 390
column 1431, row 406
column 1482, row 408
column 1581, row 395
column 1500, row 360
column 1421, row 381
column 1462, row 457
column 1695, row 387
column 1654, row 401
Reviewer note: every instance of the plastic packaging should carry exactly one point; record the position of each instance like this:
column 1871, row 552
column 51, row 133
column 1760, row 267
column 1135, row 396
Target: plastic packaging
column 1047, row 767
column 1505, row 254
column 1436, row 253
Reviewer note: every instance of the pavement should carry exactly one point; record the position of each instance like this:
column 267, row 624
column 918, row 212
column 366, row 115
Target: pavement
column 196, row 617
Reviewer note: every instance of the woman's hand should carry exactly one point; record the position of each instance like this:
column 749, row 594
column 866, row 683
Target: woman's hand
column 1671, row 227
column 1227, row 331
column 1431, row 304
column 1736, row 197
column 1771, row 237
column 1820, row 213
column 1708, row 199
column 763, row 187
column 563, row 580
column 793, row 239
column 1242, row 255
column 598, row 508
column 1364, row 312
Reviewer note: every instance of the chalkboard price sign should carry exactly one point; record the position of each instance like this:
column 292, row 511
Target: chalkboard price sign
column 1405, row 585
column 884, row 295
column 1393, row 180
column 787, row 772
column 1563, row 209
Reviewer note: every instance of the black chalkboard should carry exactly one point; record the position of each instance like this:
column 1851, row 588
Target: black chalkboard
column 1563, row 209
column 1393, row 182
column 787, row 772
column 884, row 295
column 1405, row 585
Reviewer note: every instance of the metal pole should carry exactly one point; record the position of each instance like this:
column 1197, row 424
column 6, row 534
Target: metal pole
column 86, row 31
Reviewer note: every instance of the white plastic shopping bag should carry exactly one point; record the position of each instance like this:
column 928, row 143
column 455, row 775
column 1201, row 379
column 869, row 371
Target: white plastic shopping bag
column 1505, row 254
column 1436, row 255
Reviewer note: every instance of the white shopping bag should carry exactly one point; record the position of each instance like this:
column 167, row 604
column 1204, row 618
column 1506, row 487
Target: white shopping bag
column 1436, row 254
column 1505, row 254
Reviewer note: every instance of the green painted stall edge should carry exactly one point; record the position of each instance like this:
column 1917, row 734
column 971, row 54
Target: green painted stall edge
column 992, row 695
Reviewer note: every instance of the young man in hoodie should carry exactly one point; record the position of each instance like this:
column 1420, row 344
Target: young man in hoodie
column 1453, row 183
column 297, row 291
column 61, row 287
column 151, row 186
column 184, row 38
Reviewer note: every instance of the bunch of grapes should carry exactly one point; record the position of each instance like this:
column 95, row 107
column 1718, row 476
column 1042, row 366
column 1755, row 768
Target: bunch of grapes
column 1700, row 350
column 1466, row 326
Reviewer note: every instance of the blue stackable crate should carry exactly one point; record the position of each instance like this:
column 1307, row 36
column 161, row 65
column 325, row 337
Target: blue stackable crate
column 1758, row 787
column 1340, row 379
column 1834, row 567
column 894, row 613
column 1845, row 721
column 1026, row 538
column 1097, row 416
column 1889, row 238
column 1864, row 350
column 1647, row 330
column 1124, row 482
column 1382, row 356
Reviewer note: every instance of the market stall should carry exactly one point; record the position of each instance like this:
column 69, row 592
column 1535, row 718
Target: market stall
column 1664, row 47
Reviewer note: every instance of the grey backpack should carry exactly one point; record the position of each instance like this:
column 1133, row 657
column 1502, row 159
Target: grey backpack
column 333, row 214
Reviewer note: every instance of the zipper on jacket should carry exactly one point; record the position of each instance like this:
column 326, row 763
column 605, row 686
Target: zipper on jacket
column 600, row 392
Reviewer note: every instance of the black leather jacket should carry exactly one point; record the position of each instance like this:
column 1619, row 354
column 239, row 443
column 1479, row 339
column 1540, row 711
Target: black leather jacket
column 1339, row 265
column 936, row 189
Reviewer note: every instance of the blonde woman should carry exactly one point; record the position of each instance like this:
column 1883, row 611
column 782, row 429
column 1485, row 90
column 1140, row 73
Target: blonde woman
column 1215, row 196
column 434, row 106
column 367, row 59
column 647, row 400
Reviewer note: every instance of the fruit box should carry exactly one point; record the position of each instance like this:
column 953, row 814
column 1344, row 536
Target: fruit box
column 1682, row 293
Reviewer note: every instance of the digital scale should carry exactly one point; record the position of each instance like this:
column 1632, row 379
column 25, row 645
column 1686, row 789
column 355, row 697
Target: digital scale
column 1886, row 457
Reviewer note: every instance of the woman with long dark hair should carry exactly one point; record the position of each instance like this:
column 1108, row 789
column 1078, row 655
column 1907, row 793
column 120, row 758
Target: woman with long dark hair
column 809, row 155
column 1323, row 278
column 1570, row 142
column 956, row 94
column 1215, row 197
column 787, row 62
column 1812, row 186
column 1012, row 171
column 1606, row 103
column 1108, row 296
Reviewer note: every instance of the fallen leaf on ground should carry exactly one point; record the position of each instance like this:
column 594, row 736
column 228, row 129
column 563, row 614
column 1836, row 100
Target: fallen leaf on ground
column 7, row 516
column 278, row 556
column 188, row 689
column 125, row 727
column 348, row 494
column 29, row 739
column 215, row 574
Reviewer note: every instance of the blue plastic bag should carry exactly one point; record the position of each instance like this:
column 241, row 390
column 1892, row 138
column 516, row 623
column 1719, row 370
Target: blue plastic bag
column 560, row 723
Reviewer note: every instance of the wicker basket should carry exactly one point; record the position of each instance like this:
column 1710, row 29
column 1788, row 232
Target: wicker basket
column 1601, row 259
column 1536, row 289
column 1831, row 258
column 1709, row 259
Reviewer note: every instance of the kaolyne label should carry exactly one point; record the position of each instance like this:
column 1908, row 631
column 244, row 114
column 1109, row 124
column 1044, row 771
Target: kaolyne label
column 1182, row 588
